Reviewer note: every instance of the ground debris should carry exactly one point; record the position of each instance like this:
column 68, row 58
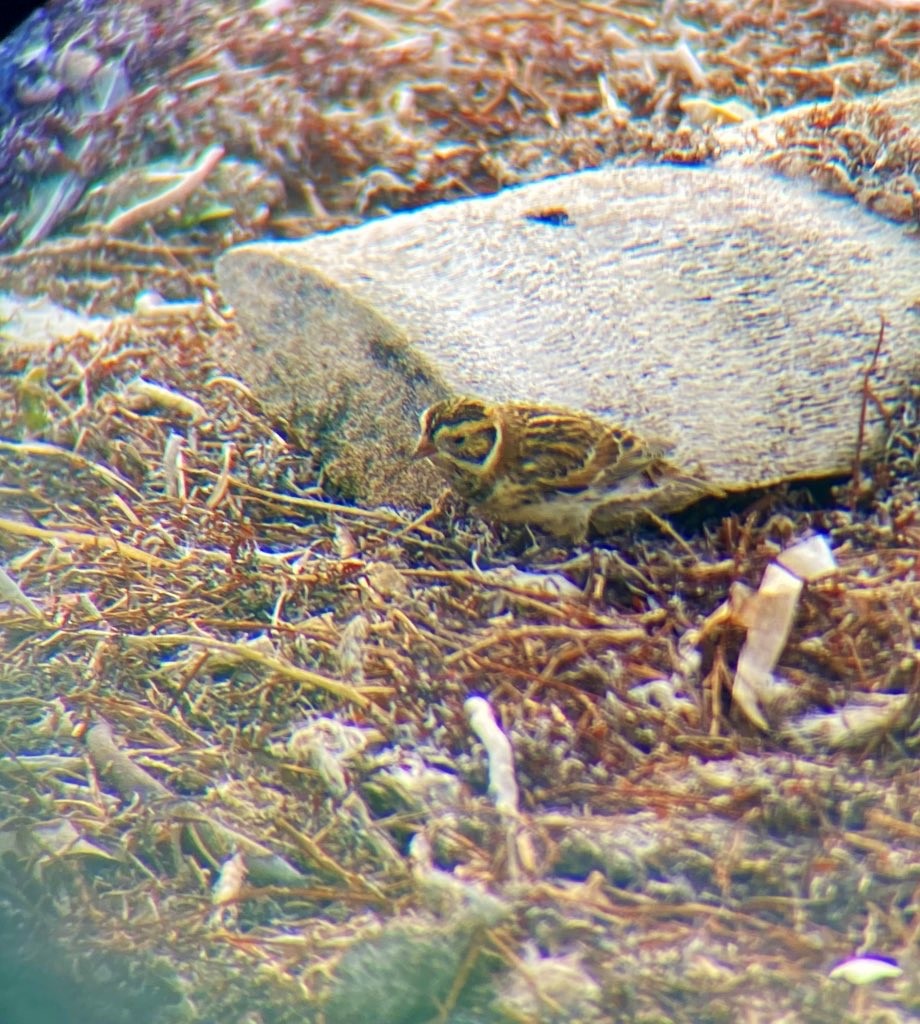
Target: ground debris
column 254, row 695
column 237, row 778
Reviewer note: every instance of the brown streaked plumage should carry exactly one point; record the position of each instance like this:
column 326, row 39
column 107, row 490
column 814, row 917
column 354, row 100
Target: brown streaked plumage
column 550, row 466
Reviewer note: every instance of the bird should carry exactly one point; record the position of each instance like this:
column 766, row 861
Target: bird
column 560, row 469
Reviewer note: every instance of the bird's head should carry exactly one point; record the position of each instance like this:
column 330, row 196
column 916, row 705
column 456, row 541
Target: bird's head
column 462, row 436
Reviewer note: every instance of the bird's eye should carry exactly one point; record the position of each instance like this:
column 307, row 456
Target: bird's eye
column 449, row 442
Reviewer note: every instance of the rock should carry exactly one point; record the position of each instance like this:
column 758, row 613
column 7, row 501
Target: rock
column 727, row 310
column 862, row 148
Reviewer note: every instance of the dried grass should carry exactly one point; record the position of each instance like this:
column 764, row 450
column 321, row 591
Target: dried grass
column 211, row 657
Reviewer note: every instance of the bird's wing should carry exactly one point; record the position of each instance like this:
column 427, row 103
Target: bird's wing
column 568, row 452
column 621, row 454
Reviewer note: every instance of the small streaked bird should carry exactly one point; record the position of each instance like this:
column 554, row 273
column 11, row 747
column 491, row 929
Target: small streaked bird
column 555, row 468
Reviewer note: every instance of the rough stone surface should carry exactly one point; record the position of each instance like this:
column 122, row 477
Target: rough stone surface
column 727, row 310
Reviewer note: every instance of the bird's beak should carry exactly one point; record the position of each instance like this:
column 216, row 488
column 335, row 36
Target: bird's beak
column 424, row 448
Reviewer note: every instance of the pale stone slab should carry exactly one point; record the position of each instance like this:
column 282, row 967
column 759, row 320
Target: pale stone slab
column 727, row 310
